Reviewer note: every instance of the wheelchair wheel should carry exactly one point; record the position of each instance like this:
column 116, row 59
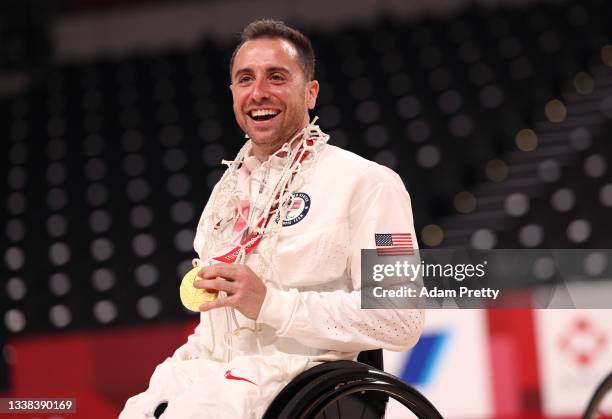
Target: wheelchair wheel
column 355, row 393
column 604, row 387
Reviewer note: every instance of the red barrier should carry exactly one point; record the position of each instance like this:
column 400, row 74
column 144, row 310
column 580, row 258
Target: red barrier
column 101, row 369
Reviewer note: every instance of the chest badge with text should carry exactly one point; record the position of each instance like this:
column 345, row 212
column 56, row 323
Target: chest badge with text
column 300, row 204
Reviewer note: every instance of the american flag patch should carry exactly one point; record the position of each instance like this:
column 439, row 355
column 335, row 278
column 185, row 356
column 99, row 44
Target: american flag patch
column 394, row 244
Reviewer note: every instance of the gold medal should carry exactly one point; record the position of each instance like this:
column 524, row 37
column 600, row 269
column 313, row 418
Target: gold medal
column 192, row 297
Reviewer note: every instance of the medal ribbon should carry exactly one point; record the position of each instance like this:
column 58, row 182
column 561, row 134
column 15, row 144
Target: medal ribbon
column 252, row 240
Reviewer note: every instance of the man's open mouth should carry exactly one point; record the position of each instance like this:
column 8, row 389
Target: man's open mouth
column 263, row 114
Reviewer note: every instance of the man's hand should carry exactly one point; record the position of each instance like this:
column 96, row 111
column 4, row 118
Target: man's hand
column 245, row 291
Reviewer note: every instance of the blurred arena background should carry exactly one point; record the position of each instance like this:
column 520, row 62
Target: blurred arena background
column 115, row 115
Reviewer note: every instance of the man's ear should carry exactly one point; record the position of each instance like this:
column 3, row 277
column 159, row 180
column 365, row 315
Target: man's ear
column 312, row 93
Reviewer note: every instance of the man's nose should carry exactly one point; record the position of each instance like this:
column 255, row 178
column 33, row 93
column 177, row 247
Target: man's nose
column 260, row 90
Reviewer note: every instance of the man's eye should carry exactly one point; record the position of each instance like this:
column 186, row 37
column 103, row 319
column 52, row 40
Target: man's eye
column 277, row 77
column 244, row 79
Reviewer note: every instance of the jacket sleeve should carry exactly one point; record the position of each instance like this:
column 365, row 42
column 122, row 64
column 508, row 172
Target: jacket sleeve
column 192, row 348
column 335, row 320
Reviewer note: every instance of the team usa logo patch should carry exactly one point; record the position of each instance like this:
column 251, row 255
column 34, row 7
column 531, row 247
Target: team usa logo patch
column 300, row 205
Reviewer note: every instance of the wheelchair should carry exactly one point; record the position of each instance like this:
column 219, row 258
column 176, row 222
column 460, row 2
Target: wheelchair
column 598, row 396
column 344, row 389
column 347, row 389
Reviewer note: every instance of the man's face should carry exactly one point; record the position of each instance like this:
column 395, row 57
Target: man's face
column 270, row 92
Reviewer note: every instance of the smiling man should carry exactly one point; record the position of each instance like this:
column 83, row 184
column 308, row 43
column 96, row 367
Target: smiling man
column 273, row 88
column 279, row 244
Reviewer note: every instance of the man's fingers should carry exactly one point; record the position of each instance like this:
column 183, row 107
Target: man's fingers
column 215, row 284
column 220, row 302
column 219, row 269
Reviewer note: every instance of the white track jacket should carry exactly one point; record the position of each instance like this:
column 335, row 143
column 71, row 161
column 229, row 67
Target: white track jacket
column 315, row 316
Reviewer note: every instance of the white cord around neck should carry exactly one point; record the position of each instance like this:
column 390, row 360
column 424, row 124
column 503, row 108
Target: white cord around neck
column 225, row 206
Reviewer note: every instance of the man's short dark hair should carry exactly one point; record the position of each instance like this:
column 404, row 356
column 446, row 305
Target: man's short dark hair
column 267, row 28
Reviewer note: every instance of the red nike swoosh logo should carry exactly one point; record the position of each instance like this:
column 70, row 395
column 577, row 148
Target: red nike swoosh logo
column 229, row 376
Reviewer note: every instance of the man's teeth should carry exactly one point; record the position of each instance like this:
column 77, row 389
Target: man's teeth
column 263, row 112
